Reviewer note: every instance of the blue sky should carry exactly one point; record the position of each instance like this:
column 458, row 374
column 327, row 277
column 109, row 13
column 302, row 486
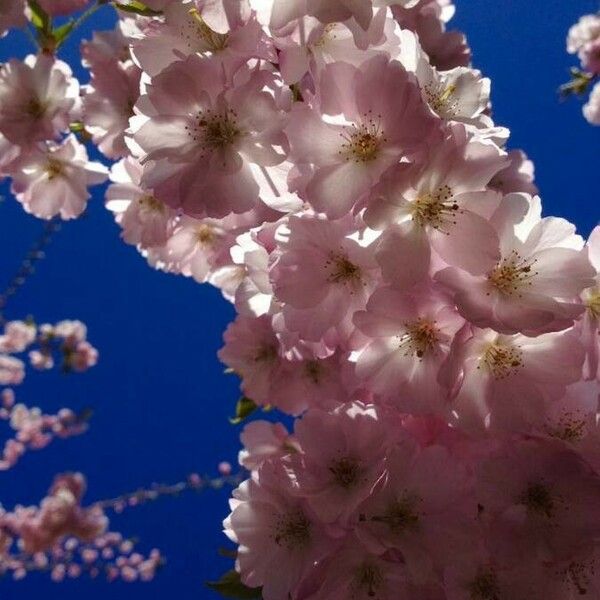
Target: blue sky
column 160, row 397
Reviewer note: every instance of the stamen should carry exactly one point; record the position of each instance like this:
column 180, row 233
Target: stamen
column 345, row 472
column 341, row 270
column 592, row 305
column 400, row 516
column 419, row 337
column 206, row 235
column 511, row 274
column 292, row 530
column 54, row 168
column 539, row 500
column 484, row 587
column 35, row 108
column 368, row 578
column 215, row 41
column 149, row 202
column 502, row 361
column 568, row 429
column 313, row 370
column 363, row 142
column 442, row 100
column 436, row 209
column 266, row 354
column 214, row 130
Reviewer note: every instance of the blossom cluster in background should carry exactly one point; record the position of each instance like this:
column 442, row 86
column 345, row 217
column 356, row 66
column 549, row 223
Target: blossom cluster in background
column 333, row 167
column 584, row 40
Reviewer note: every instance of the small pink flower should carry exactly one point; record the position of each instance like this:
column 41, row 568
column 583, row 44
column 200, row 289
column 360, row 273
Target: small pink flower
column 54, row 181
column 36, row 97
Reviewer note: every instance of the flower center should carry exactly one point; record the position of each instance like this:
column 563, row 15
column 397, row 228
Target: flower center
column 593, row 305
column 569, row 428
column 442, row 99
column 265, row 353
column 328, row 35
column 215, row 130
column 363, row 142
column 511, row 274
column 435, row 208
column 400, row 516
column 484, row 587
column 313, row 370
column 367, row 578
column 538, row 499
column 54, row 168
column 419, row 338
column 206, row 235
column 150, row 203
column 345, row 472
column 341, row 270
column 292, row 530
column 35, row 108
column 215, row 42
column 578, row 575
column 502, row 361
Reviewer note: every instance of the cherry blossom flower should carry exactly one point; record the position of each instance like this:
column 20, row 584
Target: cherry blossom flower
column 54, row 180
column 36, row 97
column 375, row 132
column 108, row 104
column 437, row 206
column 531, row 288
column 356, row 573
column 197, row 137
column 428, row 18
column 495, row 372
column 323, row 276
column 411, row 513
column 342, row 459
column 539, row 501
column 279, row 538
column 410, row 336
column 230, row 36
column 262, row 441
column 145, row 220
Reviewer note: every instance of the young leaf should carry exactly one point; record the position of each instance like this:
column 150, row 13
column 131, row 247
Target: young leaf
column 231, row 586
column 39, row 18
column 244, row 408
column 61, row 33
column 137, row 8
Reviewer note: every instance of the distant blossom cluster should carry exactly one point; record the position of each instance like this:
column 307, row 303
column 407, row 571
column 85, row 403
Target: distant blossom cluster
column 333, row 167
column 584, row 41
column 67, row 540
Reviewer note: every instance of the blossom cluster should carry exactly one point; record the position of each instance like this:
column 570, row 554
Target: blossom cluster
column 34, row 430
column 584, row 40
column 65, row 539
column 333, row 167
column 67, row 340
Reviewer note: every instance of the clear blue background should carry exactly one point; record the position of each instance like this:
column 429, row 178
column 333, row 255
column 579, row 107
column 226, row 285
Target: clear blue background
column 160, row 397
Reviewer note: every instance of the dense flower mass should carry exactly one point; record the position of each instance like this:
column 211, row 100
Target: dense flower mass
column 333, row 167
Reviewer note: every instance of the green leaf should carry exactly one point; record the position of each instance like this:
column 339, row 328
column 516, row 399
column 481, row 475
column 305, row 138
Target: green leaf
column 244, row 408
column 137, row 8
column 61, row 33
column 39, row 18
column 231, row 586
